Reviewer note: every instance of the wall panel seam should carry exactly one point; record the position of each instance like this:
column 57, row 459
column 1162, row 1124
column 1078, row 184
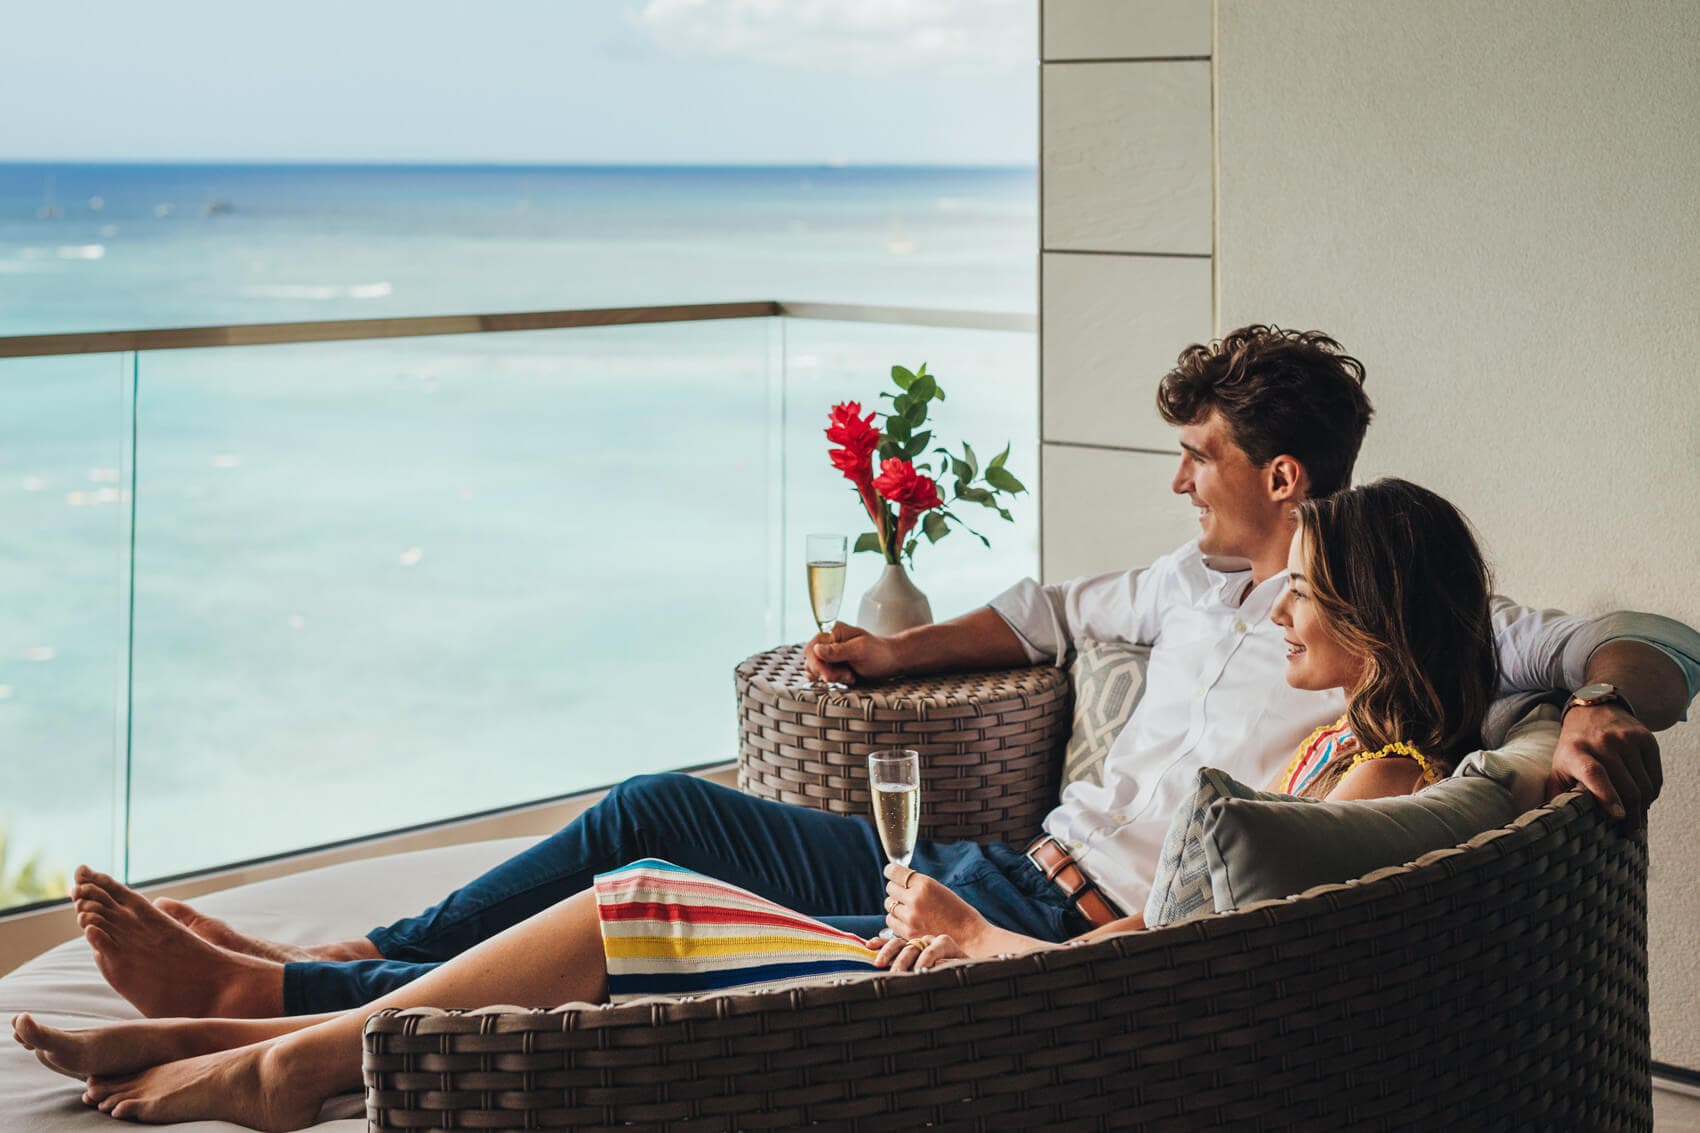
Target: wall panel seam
column 1147, row 255
column 1112, row 448
column 1129, row 59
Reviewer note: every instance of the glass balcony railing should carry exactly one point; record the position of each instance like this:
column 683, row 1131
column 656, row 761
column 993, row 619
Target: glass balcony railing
column 274, row 587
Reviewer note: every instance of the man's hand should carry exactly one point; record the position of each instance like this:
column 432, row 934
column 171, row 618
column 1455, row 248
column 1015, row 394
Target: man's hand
column 1610, row 753
column 847, row 653
column 916, row 905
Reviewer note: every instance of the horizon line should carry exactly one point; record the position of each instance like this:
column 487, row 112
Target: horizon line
column 441, row 163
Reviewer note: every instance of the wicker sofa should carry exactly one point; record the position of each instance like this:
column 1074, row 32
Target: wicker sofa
column 1500, row 984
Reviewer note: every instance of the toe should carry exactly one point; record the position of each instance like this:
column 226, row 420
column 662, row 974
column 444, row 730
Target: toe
column 83, row 873
column 176, row 910
column 99, row 938
column 95, row 895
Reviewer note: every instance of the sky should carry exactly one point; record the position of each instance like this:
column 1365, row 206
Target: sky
column 529, row 81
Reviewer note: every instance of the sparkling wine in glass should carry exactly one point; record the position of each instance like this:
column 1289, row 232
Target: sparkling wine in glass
column 895, row 777
column 826, row 578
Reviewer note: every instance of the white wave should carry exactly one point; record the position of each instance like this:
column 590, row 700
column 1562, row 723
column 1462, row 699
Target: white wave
column 103, row 475
column 82, row 251
column 319, row 291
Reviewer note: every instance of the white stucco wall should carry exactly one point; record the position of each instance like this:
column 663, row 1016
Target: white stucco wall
column 1496, row 206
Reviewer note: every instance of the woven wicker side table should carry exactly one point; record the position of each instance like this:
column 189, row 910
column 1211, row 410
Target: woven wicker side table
column 991, row 743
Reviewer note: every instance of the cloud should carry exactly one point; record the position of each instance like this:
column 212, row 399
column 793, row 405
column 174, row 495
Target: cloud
column 957, row 37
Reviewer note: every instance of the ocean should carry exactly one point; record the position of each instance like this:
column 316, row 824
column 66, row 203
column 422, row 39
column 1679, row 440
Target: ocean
column 385, row 583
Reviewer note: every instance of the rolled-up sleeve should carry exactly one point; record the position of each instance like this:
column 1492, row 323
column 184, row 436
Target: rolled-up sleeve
column 1548, row 649
column 1051, row 620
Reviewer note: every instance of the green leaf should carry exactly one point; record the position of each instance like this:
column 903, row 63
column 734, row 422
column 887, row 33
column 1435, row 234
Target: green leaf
column 890, row 449
column 1001, row 479
column 923, row 389
column 867, row 541
column 903, row 377
column 913, row 449
column 935, row 526
column 973, row 461
column 997, row 461
column 976, row 495
column 1005, row 513
column 960, row 470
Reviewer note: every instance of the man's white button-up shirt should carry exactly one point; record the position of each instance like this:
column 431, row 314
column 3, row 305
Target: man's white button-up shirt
column 1216, row 694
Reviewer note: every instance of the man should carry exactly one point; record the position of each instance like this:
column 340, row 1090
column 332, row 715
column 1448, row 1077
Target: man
column 1267, row 418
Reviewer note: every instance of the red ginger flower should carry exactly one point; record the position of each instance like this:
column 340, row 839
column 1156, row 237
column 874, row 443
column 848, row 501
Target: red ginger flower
column 855, row 436
column 901, row 484
column 858, row 439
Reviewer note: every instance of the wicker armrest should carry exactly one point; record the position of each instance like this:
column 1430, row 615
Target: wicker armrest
column 1499, row 984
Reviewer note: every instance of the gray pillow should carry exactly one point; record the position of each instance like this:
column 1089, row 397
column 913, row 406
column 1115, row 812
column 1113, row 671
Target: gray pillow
column 1108, row 679
column 1229, row 846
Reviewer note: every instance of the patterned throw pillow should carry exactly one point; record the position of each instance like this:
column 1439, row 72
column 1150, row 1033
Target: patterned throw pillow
column 1182, row 886
column 1108, row 678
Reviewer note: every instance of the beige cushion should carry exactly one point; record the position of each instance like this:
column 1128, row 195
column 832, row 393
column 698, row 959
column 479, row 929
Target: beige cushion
column 1108, row 679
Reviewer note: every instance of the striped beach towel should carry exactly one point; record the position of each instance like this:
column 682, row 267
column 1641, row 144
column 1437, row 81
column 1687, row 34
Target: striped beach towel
column 672, row 931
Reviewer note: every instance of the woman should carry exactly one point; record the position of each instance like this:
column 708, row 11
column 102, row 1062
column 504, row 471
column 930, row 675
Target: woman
column 1388, row 599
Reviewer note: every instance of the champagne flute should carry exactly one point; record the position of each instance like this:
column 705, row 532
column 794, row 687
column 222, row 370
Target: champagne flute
column 895, row 777
column 826, row 578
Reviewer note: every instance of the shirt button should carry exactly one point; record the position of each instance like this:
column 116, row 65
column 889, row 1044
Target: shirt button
column 1240, row 627
column 1073, row 845
column 1122, row 818
column 1198, row 691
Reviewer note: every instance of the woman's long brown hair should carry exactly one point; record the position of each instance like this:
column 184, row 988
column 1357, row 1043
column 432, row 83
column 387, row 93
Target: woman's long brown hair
column 1396, row 574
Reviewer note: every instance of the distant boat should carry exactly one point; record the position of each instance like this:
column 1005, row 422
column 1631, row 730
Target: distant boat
column 96, row 203
column 164, row 209
column 50, row 209
column 217, row 207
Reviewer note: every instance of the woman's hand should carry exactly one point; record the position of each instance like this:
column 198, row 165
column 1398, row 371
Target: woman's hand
column 917, row 906
column 920, row 953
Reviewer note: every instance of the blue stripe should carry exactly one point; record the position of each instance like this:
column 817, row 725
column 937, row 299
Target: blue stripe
column 647, row 863
column 683, row 983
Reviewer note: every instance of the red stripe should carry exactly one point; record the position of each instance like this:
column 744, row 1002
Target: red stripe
column 714, row 914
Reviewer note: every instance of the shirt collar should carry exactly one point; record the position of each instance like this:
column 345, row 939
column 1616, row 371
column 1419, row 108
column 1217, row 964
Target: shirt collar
column 1235, row 589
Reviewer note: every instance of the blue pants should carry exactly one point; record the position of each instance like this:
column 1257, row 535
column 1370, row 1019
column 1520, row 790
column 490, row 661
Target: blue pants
column 828, row 866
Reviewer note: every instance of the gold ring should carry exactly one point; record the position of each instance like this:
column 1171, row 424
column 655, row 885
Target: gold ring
column 907, row 879
column 915, row 944
column 891, row 904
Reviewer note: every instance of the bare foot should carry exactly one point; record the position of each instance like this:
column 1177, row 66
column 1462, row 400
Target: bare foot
column 246, row 1086
column 214, row 931
column 120, row 1048
column 163, row 968
column 25, row 1032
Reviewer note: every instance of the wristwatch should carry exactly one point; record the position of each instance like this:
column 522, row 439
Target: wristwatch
column 1597, row 693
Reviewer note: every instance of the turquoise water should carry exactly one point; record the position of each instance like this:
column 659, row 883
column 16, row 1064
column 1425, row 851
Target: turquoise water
column 383, row 583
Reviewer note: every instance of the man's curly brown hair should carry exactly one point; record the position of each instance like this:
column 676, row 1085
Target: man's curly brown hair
column 1282, row 392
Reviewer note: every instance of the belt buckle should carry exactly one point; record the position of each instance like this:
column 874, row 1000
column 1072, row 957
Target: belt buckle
column 1038, row 844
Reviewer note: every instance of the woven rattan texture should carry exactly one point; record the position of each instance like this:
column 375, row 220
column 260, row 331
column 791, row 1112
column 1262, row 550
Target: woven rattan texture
column 1497, row 986
column 991, row 743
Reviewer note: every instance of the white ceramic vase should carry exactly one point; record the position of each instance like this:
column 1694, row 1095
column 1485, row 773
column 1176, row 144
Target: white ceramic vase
column 893, row 604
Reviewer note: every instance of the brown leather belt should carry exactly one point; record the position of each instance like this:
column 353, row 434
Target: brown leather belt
column 1059, row 867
